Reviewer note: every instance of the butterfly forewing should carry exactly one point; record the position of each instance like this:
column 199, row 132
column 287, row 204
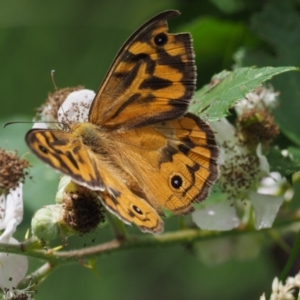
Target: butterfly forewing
column 65, row 153
column 152, row 78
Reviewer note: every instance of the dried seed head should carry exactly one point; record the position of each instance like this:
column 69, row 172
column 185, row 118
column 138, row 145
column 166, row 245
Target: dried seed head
column 257, row 126
column 48, row 111
column 255, row 121
column 82, row 210
column 12, row 170
column 240, row 172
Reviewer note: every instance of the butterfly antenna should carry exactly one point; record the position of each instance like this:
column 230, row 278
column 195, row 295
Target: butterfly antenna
column 56, row 88
column 53, row 80
column 66, row 125
column 29, row 122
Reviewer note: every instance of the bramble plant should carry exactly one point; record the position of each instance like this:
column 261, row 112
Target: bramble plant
column 254, row 112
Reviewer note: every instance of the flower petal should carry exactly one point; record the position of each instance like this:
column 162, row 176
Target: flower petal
column 13, row 268
column 40, row 125
column 266, row 208
column 263, row 162
column 76, row 107
column 63, row 182
column 272, row 185
column 225, row 131
column 220, row 216
column 13, row 214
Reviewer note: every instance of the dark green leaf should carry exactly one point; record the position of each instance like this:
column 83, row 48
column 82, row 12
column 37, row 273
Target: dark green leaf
column 213, row 101
column 279, row 26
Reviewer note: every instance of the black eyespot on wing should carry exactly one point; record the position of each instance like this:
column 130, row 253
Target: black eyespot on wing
column 161, row 39
column 176, row 181
column 43, row 149
column 137, row 210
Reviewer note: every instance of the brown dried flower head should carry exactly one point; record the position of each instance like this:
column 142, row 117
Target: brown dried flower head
column 238, row 173
column 48, row 111
column 258, row 126
column 255, row 118
column 13, row 170
column 82, row 210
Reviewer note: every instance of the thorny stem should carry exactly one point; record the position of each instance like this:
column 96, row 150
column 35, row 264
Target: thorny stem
column 37, row 277
column 185, row 236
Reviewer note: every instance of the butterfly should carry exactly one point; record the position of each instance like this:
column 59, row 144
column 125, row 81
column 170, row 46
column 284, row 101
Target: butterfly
column 140, row 151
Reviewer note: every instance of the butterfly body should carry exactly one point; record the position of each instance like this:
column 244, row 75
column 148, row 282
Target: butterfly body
column 92, row 137
column 140, row 150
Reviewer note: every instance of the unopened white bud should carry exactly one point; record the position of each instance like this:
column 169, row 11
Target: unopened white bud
column 44, row 223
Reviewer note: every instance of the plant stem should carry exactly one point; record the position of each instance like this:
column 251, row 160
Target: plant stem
column 292, row 258
column 184, row 236
column 37, row 276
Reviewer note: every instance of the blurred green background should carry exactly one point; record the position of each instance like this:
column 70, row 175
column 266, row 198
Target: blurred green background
column 78, row 39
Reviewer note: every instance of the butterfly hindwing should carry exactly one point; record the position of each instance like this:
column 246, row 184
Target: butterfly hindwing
column 129, row 207
column 152, row 78
column 189, row 164
column 178, row 162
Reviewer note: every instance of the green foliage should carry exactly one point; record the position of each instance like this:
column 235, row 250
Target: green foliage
column 213, row 101
column 286, row 165
column 278, row 25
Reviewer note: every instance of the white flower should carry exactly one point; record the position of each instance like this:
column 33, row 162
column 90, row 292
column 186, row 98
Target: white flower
column 260, row 98
column 267, row 199
column 13, row 267
column 262, row 297
column 13, row 294
column 244, row 175
column 74, row 108
column 285, row 291
column 219, row 216
column 241, row 167
column 11, row 207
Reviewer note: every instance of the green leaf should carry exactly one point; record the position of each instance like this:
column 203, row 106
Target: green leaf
column 279, row 26
column 225, row 89
column 215, row 41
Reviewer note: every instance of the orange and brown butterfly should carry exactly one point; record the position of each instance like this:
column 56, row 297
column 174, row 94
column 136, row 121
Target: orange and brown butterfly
column 139, row 149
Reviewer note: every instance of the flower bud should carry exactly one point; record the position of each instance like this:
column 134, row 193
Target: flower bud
column 44, row 223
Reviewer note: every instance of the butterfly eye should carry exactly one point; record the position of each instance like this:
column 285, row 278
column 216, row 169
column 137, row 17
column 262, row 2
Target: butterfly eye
column 136, row 209
column 176, row 181
column 43, row 149
column 160, row 39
